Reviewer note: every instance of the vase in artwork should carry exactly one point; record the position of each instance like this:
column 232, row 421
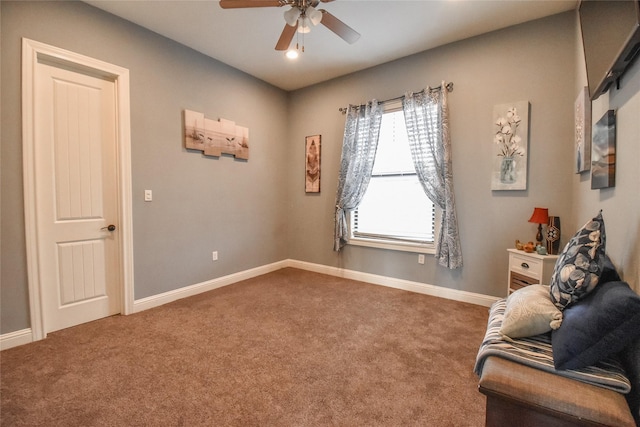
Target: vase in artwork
column 508, row 170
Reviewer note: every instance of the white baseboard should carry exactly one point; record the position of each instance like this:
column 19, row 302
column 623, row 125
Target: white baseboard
column 24, row 336
column 167, row 297
column 16, row 338
column 421, row 288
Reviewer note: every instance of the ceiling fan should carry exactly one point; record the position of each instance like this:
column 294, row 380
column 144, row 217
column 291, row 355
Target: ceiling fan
column 298, row 18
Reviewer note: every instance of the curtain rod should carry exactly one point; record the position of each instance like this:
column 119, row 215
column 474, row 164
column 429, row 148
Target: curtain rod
column 449, row 87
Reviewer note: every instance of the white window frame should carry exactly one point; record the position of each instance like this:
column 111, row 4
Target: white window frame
column 381, row 243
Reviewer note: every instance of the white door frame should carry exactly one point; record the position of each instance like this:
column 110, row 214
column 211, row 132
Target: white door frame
column 32, row 52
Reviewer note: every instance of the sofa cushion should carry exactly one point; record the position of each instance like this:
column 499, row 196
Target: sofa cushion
column 529, row 312
column 597, row 326
column 579, row 265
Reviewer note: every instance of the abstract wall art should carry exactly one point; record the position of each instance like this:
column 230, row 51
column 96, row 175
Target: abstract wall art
column 603, row 152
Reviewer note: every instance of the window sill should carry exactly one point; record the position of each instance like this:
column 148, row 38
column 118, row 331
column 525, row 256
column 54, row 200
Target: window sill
column 395, row 246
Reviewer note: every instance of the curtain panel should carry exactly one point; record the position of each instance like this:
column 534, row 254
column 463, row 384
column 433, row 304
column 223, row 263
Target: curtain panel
column 359, row 145
column 427, row 120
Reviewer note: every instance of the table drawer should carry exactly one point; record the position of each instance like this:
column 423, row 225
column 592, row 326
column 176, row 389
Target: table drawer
column 525, row 265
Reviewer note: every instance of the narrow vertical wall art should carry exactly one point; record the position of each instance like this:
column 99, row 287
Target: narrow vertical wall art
column 603, row 152
column 312, row 164
column 582, row 112
column 510, row 146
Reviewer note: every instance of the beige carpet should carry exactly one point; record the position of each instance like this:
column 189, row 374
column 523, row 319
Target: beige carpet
column 290, row 348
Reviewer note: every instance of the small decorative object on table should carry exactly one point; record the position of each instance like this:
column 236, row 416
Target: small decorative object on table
column 553, row 235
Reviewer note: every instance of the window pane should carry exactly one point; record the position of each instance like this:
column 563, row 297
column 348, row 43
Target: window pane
column 395, row 206
column 392, row 154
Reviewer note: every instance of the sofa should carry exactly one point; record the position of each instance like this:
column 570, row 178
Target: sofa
column 565, row 353
column 521, row 395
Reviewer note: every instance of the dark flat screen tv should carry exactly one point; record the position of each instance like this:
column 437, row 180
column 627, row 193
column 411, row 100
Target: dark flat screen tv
column 611, row 40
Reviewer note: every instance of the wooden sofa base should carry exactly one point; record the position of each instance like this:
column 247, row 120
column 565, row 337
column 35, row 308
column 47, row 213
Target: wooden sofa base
column 518, row 395
column 502, row 411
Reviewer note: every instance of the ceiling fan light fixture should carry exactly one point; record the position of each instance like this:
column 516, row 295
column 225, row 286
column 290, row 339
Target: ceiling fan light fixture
column 303, row 25
column 314, row 15
column 291, row 53
column 291, row 16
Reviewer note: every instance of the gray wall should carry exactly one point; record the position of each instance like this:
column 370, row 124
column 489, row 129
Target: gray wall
column 256, row 212
column 621, row 204
column 533, row 62
column 200, row 204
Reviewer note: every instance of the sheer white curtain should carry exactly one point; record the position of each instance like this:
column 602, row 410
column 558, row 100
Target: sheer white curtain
column 427, row 119
column 359, row 145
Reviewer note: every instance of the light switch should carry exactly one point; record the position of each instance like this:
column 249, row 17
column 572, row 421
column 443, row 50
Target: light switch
column 148, row 196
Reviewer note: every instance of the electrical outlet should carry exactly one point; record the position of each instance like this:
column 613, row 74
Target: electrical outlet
column 214, row 255
column 421, row 259
column 148, row 195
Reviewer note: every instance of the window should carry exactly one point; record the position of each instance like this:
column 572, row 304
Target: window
column 395, row 213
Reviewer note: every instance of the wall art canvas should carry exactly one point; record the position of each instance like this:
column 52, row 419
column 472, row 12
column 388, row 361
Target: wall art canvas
column 194, row 130
column 603, row 152
column 582, row 112
column 312, row 164
column 215, row 137
column 510, row 146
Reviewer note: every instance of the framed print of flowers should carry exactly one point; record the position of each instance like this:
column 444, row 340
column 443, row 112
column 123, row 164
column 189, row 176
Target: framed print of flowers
column 510, row 146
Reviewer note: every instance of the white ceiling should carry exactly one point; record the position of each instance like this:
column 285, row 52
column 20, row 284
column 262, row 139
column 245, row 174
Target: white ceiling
column 390, row 29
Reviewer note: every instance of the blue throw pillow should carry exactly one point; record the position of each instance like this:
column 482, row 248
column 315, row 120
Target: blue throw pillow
column 580, row 264
column 597, row 326
column 609, row 272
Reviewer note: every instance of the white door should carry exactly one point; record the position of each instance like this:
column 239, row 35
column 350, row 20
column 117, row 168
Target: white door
column 75, row 152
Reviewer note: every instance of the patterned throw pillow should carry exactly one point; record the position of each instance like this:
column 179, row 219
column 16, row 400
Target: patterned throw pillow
column 529, row 312
column 580, row 264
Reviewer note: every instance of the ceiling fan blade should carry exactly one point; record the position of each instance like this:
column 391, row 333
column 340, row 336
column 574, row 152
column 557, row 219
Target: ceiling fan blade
column 235, row 4
column 285, row 38
column 347, row 33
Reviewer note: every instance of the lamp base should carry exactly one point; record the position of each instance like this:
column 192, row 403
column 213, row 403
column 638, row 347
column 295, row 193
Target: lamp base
column 539, row 235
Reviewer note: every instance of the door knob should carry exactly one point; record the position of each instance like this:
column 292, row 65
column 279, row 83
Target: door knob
column 109, row 227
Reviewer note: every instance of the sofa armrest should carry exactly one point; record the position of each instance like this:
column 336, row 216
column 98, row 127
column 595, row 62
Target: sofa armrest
column 557, row 400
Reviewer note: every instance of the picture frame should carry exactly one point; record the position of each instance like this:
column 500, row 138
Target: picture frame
column 582, row 110
column 312, row 170
column 603, row 152
column 510, row 146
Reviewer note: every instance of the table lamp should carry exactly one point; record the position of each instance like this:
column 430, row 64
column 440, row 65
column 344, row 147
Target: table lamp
column 540, row 216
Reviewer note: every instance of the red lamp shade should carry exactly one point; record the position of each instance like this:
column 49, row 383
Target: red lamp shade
column 540, row 216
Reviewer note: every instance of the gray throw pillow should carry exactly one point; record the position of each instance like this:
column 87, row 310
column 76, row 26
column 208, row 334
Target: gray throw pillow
column 580, row 264
column 529, row 311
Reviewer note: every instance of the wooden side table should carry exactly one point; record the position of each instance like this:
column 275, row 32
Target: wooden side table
column 528, row 268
